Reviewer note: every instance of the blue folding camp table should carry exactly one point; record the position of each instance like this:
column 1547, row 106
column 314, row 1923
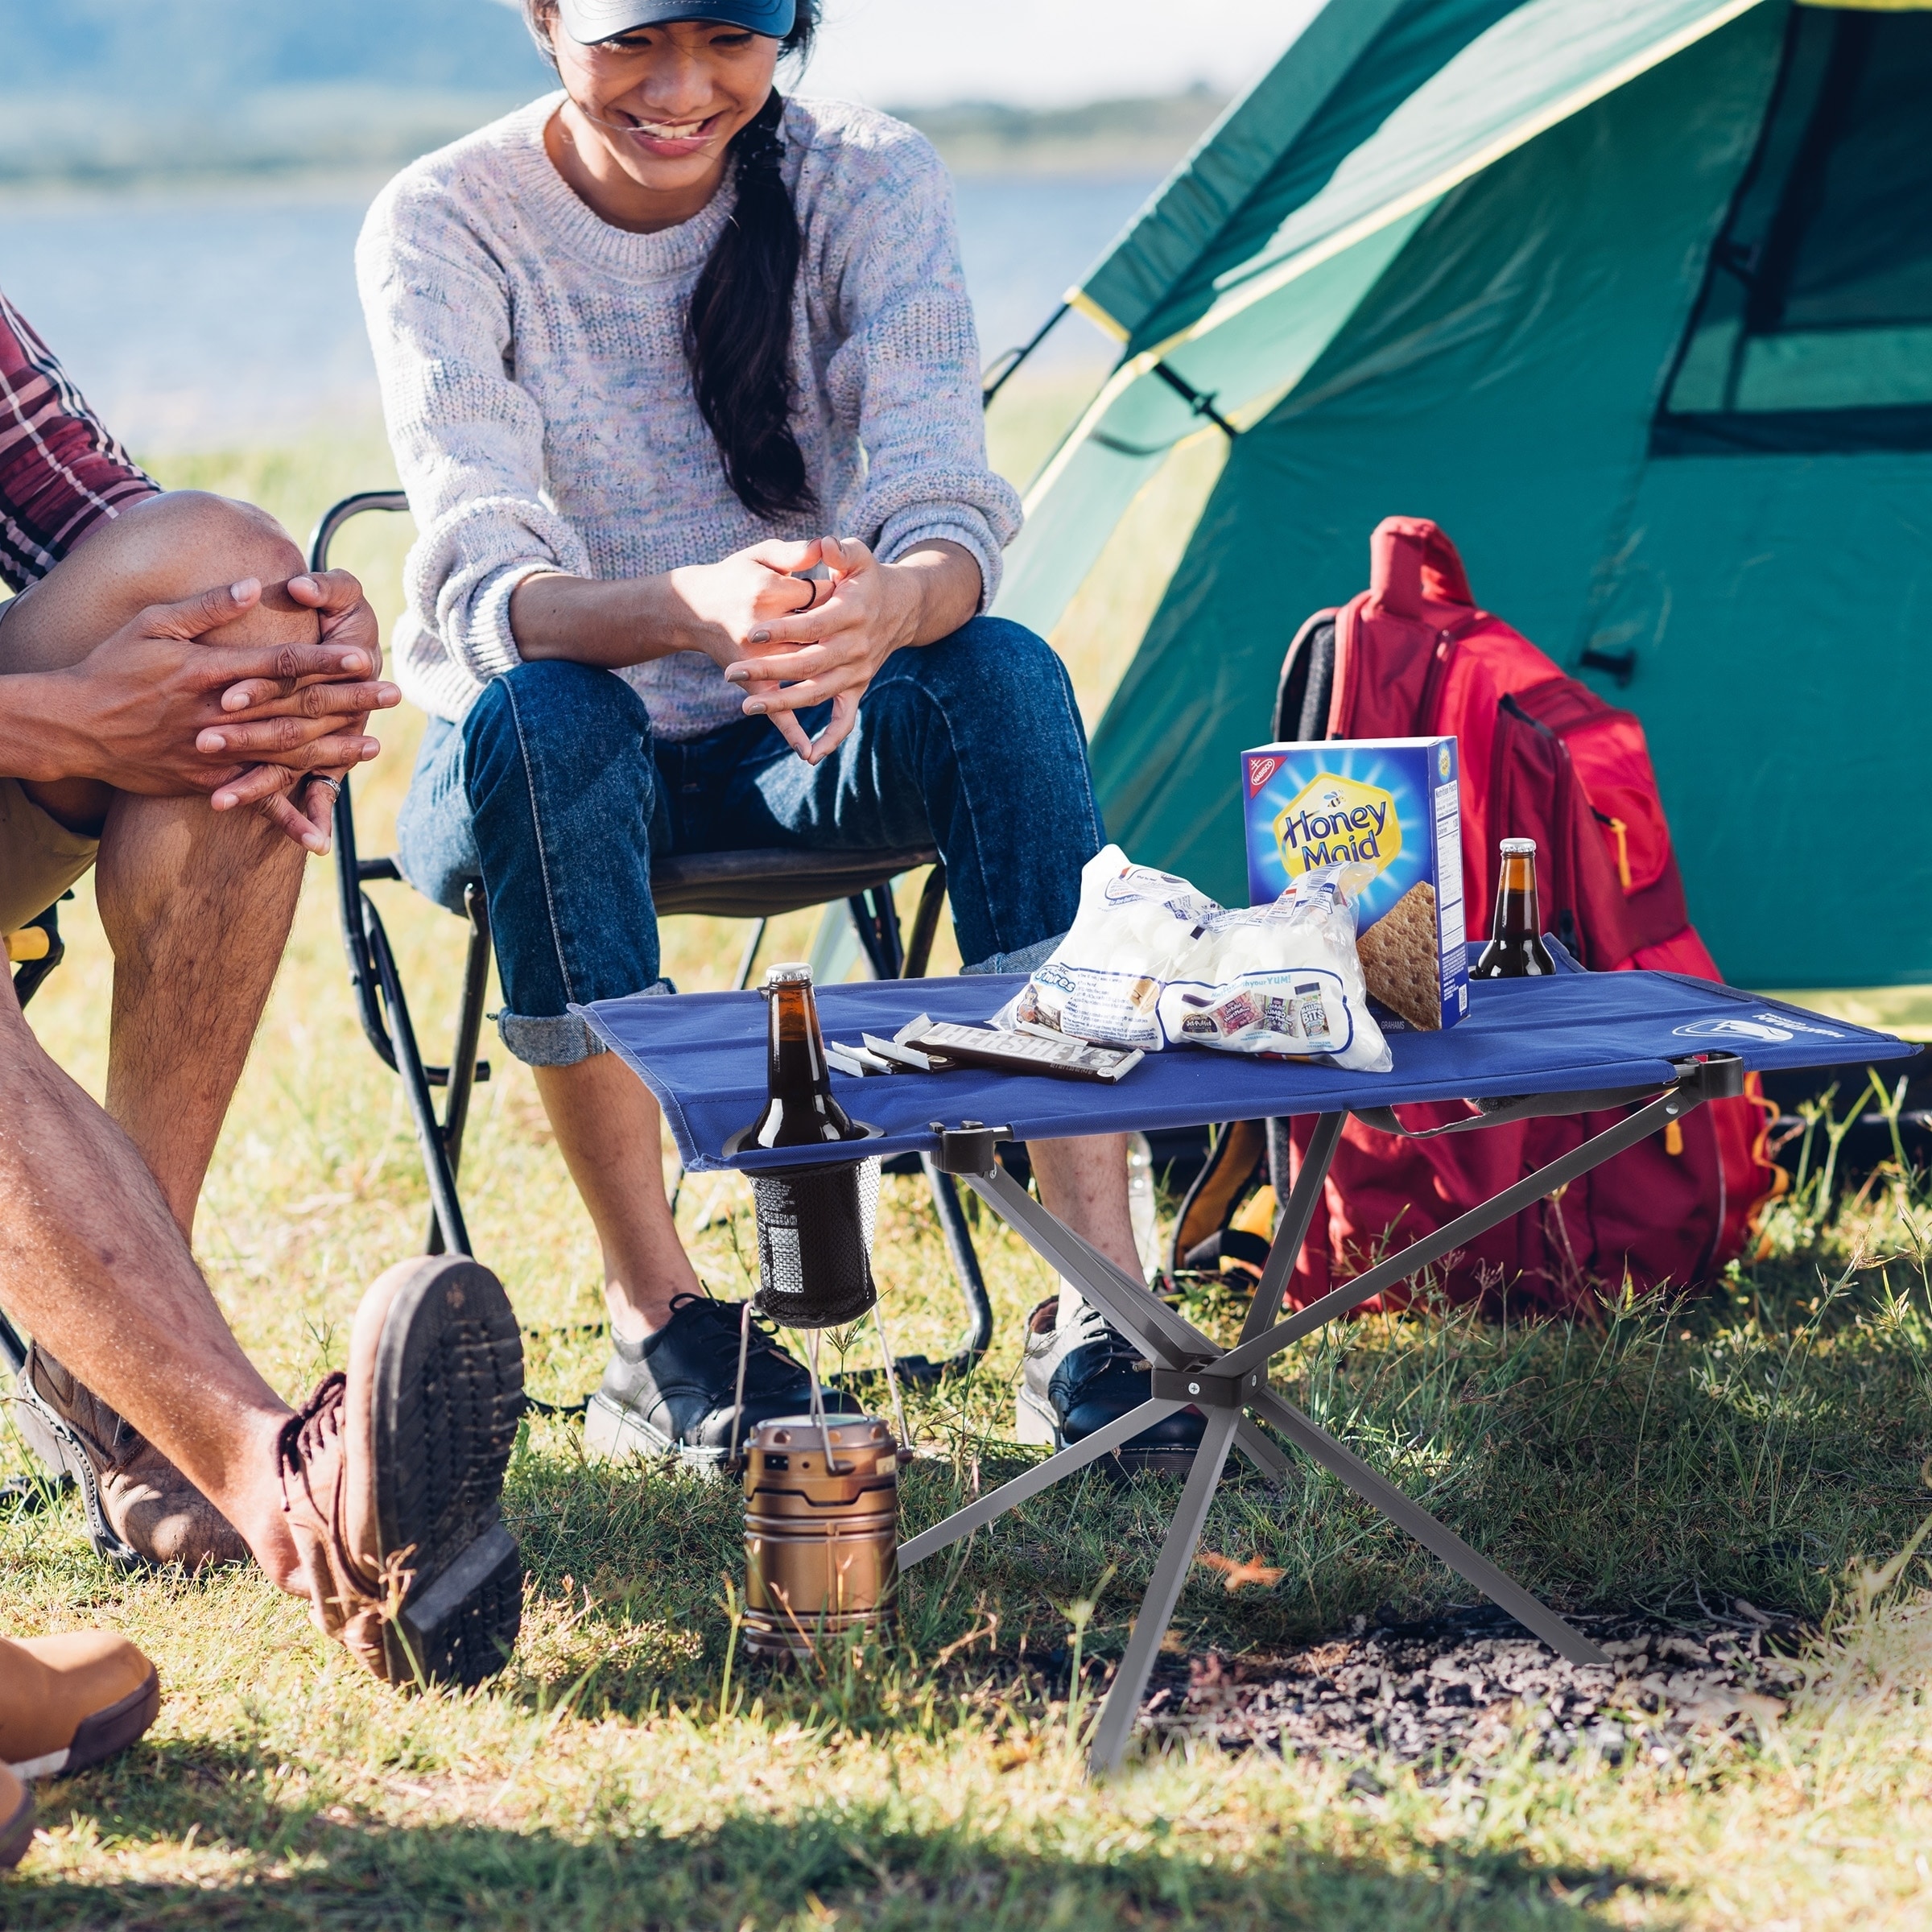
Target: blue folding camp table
column 1654, row 1043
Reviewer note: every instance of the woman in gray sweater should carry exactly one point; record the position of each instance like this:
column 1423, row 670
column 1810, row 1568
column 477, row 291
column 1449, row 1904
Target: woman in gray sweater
column 653, row 349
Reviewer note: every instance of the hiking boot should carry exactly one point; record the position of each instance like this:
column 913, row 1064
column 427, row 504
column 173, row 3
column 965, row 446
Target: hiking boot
column 140, row 1508
column 1075, row 1379
column 392, row 1478
column 69, row 1702
column 16, row 1819
column 673, row 1393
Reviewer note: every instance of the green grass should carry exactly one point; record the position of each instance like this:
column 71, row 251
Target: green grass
column 1765, row 1441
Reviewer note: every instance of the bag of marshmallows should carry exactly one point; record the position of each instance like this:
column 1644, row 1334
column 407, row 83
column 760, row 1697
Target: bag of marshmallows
column 1149, row 962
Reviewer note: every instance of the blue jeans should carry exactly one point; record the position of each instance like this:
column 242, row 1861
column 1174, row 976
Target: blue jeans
column 554, row 793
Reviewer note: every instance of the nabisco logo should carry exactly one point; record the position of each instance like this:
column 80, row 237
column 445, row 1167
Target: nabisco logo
column 1260, row 771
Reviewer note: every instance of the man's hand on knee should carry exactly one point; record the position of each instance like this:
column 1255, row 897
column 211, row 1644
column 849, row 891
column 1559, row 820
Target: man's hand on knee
column 154, row 710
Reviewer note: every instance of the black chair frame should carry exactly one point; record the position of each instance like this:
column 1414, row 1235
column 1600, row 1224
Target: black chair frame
column 754, row 885
column 27, row 976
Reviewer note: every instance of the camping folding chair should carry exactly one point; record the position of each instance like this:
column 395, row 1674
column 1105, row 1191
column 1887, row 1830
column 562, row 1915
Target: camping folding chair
column 754, row 885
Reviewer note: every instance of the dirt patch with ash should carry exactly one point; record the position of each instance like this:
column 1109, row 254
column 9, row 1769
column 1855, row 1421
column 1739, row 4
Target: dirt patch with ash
column 1462, row 1685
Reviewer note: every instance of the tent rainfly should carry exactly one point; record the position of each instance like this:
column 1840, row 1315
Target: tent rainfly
column 1636, row 301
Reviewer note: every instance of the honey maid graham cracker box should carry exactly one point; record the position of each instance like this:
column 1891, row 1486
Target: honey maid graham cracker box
column 1392, row 804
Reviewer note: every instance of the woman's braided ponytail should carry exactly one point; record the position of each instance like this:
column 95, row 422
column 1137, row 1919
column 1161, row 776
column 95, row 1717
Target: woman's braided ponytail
column 737, row 330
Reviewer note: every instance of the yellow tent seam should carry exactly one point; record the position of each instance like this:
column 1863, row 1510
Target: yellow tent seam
column 1078, row 298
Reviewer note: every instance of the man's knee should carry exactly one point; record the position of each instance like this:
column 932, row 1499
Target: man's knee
column 551, row 719
column 167, row 548
column 187, row 541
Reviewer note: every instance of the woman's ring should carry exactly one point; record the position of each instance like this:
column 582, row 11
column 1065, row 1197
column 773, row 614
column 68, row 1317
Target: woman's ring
column 812, row 596
column 334, row 785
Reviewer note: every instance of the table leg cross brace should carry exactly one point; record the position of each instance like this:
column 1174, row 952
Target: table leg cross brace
column 1189, row 1369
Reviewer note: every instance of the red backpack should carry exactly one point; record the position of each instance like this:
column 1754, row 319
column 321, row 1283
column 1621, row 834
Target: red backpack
column 1542, row 757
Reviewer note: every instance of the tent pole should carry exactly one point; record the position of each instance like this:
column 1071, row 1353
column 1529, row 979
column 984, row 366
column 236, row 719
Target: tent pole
column 1009, row 359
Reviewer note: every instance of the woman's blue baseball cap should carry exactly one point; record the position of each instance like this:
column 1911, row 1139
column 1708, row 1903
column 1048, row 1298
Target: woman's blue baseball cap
column 591, row 20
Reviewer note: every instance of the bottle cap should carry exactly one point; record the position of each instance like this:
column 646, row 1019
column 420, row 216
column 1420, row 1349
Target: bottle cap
column 1509, row 846
column 791, row 972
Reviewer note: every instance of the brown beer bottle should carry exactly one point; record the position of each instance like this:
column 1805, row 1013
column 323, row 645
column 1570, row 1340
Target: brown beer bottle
column 815, row 1223
column 800, row 1111
column 1516, row 949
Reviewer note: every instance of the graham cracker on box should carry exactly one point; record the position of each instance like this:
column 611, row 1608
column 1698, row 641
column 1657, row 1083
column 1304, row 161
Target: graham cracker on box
column 1401, row 965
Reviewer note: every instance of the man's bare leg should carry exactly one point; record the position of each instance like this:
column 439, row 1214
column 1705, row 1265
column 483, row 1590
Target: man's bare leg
column 90, row 1257
column 93, row 1262
column 196, row 903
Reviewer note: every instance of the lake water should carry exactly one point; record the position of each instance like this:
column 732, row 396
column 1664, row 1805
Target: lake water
column 219, row 318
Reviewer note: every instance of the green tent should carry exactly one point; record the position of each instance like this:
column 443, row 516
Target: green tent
column 1633, row 297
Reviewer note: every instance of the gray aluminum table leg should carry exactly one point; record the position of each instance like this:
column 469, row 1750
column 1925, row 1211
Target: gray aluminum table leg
column 1266, row 1455
column 1123, row 1702
column 1166, row 1337
column 1298, row 1211
column 1076, row 1456
column 1434, row 1536
column 1253, row 1350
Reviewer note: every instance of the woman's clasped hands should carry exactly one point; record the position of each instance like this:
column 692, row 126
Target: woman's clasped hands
column 790, row 641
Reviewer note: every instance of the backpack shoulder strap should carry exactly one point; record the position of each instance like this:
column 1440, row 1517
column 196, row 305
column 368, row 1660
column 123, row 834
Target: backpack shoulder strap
column 1302, row 695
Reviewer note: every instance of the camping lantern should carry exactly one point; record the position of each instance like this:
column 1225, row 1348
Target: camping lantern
column 821, row 1531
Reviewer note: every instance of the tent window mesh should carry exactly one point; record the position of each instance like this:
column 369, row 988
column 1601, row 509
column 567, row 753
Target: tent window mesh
column 1813, row 329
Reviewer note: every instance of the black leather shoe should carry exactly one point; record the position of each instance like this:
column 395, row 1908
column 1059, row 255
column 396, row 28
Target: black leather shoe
column 1076, row 1380
column 672, row 1394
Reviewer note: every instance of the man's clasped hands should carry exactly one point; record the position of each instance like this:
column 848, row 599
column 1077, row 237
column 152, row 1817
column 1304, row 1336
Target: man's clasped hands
column 161, row 706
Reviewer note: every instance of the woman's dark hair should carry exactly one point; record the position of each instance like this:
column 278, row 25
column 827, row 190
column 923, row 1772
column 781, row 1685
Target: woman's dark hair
column 737, row 330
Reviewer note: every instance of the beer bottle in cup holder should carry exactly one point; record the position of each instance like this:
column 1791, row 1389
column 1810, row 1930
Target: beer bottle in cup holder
column 1516, row 950
column 799, row 1111
column 815, row 1222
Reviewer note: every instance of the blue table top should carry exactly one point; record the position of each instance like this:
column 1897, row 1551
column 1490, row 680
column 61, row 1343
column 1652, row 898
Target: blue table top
column 703, row 1055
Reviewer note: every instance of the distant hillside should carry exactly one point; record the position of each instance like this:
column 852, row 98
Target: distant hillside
column 115, row 91
column 204, row 50
column 1136, row 137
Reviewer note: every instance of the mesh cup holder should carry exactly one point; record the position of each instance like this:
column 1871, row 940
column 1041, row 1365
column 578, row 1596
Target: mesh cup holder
column 814, row 1243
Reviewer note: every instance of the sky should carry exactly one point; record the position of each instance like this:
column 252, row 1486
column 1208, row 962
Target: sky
column 1045, row 52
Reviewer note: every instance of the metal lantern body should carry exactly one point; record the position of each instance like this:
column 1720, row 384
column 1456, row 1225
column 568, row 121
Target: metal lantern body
column 821, row 1544
column 814, row 1243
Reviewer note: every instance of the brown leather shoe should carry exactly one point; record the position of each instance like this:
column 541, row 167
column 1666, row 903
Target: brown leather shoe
column 16, row 1819
column 392, row 1475
column 140, row 1506
column 69, row 1702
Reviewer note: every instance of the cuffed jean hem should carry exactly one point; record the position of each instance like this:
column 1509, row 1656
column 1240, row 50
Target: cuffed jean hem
column 1025, row 959
column 556, row 1039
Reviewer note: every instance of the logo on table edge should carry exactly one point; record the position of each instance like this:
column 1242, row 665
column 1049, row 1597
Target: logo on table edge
column 1765, row 1026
